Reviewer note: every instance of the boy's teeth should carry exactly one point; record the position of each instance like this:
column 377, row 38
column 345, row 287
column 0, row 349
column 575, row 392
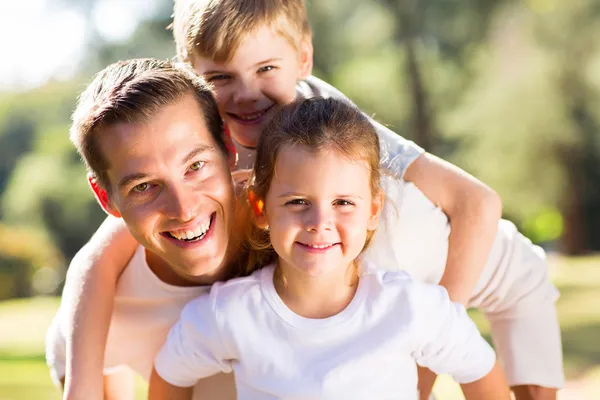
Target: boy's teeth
column 252, row 116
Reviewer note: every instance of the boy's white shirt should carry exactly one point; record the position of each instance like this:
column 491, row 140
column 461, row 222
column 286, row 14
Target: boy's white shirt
column 366, row 351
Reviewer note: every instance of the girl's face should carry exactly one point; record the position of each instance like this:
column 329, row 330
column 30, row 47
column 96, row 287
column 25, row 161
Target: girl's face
column 319, row 208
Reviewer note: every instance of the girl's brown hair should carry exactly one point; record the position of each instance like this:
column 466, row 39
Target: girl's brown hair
column 315, row 125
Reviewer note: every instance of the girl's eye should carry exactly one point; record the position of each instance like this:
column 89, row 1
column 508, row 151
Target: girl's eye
column 266, row 68
column 142, row 187
column 197, row 166
column 296, row 202
column 343, row 203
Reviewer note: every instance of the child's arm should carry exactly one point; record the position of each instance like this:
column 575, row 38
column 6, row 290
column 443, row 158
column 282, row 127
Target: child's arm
column 88, row 299
column 447, row 341
column 474, row 211
column 195, row 348
column 160, row 389
column 490, row 387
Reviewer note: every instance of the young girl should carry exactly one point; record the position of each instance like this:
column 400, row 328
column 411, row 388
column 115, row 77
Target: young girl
column 317, row 321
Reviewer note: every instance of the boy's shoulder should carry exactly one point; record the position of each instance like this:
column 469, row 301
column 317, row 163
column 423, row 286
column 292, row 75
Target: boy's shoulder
column 314, row 87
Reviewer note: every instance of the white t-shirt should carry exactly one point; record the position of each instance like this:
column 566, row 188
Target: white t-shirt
column 145, row 308
column 367, row 351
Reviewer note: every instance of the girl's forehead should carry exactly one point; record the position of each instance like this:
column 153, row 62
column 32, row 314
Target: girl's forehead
column 319, row 170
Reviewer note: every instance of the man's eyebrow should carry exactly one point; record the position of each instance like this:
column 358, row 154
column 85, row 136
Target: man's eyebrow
column 204, row 148
column 127, row 180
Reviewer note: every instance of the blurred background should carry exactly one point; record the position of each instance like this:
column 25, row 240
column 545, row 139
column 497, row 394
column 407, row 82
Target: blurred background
column 507, row 90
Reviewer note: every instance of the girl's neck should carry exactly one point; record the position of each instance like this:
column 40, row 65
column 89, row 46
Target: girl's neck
column 316, row 297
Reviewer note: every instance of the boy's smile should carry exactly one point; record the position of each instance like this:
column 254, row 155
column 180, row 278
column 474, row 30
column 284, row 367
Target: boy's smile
column 262, row 74
column 171, row 184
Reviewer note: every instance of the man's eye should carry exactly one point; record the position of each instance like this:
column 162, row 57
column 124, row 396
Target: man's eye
column 266, row 68
column 197, row 166
column 142, row 187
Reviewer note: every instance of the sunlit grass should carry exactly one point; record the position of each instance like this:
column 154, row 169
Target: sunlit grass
column 24, row 376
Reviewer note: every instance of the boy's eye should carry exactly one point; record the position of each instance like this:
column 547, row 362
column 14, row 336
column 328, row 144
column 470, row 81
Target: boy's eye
column 197, row 166
column 266, row 68
column 214, row 78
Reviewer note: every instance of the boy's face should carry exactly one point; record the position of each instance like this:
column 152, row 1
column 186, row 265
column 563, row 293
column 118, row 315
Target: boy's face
column 261, row 75
column 171, row 184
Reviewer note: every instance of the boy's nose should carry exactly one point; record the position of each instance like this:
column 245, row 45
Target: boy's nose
column 246, row 92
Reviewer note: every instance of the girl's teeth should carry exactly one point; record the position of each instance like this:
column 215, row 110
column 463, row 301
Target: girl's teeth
column 324, row 246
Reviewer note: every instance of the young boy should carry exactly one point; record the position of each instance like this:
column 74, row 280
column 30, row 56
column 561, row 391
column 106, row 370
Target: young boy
column 257, row 55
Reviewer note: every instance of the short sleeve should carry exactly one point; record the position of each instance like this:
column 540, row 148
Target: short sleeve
column 194, row 348
column 448, row 340
column 397, row 153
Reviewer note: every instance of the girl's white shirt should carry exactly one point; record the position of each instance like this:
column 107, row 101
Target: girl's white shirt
column 367, row 351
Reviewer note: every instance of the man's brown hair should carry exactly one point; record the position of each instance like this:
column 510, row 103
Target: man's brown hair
column 131, row 92
column 214, row 29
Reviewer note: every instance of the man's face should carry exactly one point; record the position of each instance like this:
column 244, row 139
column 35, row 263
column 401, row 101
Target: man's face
column 171, row 184
column 262, row 74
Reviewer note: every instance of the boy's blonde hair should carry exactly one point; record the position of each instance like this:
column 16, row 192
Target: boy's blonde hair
column 214, row 29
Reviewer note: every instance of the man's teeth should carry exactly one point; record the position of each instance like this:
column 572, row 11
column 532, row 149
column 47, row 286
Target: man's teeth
column 197, row 233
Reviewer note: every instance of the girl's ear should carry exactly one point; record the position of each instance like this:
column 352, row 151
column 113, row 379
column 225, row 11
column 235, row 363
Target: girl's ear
column 261, row 221
column 376, row 208
column 257, row 206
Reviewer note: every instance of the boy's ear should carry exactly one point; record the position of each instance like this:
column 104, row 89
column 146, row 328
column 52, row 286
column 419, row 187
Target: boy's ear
column 376, row 208
column 102, row 196
column 306, row 58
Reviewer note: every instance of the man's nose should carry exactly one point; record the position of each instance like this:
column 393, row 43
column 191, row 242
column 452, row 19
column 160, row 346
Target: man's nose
column 181, row 204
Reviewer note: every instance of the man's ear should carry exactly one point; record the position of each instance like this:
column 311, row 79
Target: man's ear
column 102, row 196
column 376, row 208
column 305, row 58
